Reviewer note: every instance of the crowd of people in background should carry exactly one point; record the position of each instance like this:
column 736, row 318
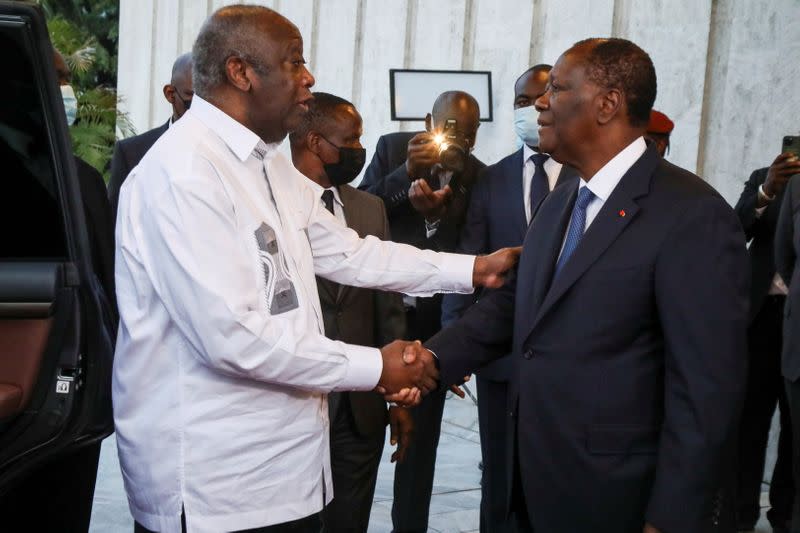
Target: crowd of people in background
column 628, row 367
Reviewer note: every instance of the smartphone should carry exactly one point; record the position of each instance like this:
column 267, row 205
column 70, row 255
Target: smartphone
column 791, row 144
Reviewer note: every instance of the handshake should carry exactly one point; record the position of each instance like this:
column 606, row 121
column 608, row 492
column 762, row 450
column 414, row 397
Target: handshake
column 409, row 372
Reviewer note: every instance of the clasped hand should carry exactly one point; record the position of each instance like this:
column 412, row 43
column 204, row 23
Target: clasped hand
column 409, row 372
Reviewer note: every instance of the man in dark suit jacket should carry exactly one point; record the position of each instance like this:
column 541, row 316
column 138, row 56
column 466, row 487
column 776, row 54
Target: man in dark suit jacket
column 758, row 209
column 503, row 201
column 327, row 149
column 128, row 152
column 427, row 205
column 787, row 246
column 628, row 339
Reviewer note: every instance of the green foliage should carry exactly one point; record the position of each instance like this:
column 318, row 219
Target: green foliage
column 85, row 32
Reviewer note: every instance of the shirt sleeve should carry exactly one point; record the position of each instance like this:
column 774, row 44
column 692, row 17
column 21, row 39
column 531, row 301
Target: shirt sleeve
column 187, row 238
column 340, row 255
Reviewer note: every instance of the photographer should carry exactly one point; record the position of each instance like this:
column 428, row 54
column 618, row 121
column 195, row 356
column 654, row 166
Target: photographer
column 425, row 180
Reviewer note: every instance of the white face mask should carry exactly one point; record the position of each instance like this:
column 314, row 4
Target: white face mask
column 70, row 103
column 526, row 125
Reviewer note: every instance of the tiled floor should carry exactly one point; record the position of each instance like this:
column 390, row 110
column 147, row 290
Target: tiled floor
column 454, row 506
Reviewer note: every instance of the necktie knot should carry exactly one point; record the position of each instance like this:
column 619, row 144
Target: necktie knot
column 539, row 159
column 327, row 199
column 585, row 195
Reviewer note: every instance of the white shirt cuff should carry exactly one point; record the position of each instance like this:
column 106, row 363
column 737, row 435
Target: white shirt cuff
column 363, row 369
column 456, row 273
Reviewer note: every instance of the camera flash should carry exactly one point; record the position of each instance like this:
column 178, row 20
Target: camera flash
column 438, row 138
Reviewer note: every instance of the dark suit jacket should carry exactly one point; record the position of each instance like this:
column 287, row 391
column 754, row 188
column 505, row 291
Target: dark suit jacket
column 386, row 177
column 362, row 316
column 629, row 369
column 760, row 233
column 495, row 219
column 787, row 244
column 127, row 154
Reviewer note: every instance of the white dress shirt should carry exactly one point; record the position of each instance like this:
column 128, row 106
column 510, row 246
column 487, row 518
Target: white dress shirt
column 222, row 366
column 603, row 183
column 551, row 167
column 338, row 206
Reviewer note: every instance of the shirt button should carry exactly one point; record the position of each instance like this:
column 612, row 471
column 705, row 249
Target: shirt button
column 528, row 354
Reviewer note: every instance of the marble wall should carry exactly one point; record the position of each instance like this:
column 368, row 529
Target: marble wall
column 728, row 70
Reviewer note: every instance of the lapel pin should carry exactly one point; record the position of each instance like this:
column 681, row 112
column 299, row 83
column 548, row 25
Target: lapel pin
column 622, row 213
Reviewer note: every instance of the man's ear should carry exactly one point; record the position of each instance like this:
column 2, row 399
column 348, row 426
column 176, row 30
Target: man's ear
column 609, row 105
column 236, row 71
column 169, row 93
column 313, row 141
column 429, row 123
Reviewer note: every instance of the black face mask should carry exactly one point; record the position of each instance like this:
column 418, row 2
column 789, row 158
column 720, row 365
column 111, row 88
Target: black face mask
column 351, row 161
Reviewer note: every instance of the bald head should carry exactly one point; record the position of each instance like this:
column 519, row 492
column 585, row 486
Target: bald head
column 457, row 105
column 242, row 31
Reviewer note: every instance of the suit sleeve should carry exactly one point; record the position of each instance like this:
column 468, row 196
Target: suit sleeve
column 701, row 288
column 785, row 256
column 474, row 240
column 389, row 184
column 390, row 314
column 482, row 335
column 746, row 206
column 119, row 171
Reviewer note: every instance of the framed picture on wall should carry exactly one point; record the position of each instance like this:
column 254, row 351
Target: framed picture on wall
column 414, row 91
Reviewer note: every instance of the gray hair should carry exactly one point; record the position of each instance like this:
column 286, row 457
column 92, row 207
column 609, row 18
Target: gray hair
column 232, row 31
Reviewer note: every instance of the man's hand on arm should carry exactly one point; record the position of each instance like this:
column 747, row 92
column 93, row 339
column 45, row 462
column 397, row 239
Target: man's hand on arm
column 429, row 203
column 490, row 270
column 649, row 528
column 409, row 370
column 784, row 167
column 401, row 426
column 421, row 156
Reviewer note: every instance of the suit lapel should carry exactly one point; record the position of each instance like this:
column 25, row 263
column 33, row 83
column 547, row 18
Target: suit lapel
column 616, row 214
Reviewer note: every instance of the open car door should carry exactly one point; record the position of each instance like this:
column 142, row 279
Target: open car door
column 56, row 326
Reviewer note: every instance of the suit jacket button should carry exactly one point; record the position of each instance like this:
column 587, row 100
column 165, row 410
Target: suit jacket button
column 528, row 354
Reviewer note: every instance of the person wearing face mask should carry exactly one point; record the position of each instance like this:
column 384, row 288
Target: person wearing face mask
column 128, row 152
column 503, row 202
column 327, row 149
column 426, row 203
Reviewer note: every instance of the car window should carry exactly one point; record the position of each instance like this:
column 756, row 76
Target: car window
column 31, row 222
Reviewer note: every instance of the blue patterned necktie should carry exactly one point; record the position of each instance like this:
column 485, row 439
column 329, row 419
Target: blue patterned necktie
column 577, row 225
column 540, row 186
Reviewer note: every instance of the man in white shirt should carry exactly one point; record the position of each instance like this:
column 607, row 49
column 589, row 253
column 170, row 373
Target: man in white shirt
column 222, row 368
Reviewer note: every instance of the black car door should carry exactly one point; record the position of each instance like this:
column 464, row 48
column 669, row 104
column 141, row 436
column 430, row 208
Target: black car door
column 56, row 326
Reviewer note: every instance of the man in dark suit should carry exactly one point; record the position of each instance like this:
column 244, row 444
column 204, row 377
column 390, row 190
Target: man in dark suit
column 427, row 204
column 758, row 209
column 787, row 246
column 128, row 152
column 327, row 149
column 503, row 201
column 626, row 323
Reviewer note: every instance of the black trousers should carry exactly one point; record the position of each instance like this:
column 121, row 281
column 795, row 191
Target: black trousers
column 493, row 423
column 309, row 524
column 765, row 391
column 413, row 478
column 793, row 399
column 354, row 464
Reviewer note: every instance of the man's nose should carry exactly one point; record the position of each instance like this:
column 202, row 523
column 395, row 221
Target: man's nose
column 543, row 102
column 308, row 78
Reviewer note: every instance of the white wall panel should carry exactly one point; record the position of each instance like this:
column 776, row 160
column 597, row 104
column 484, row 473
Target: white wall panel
column 727, row 70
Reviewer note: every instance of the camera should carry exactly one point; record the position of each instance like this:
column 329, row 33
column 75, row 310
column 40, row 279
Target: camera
column 453, row 147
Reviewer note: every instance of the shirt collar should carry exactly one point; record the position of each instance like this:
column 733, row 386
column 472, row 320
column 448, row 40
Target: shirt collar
column 242, row 141
column 603, row 183
column 319, row 189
